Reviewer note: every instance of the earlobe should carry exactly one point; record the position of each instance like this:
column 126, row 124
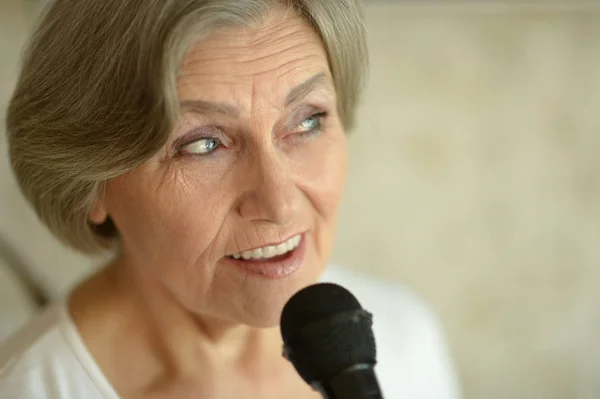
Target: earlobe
column 98, row 213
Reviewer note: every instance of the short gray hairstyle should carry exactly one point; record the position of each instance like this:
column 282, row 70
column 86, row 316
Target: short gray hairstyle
column 97, row 92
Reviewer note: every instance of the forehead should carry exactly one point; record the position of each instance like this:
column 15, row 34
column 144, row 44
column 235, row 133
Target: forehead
column 270, row 58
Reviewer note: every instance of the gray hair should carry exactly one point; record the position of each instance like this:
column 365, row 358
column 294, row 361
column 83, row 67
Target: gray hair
column 97, row 92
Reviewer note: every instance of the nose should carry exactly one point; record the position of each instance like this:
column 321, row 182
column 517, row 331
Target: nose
column 271, row 194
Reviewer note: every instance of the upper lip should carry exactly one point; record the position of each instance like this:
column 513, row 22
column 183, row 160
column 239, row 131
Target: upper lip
column 267, row 244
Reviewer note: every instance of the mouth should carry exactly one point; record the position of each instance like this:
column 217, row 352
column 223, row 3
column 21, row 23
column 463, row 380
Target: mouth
column 270, row 252
column 272, row 261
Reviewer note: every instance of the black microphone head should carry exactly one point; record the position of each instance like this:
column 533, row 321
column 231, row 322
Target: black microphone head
column 325, row 330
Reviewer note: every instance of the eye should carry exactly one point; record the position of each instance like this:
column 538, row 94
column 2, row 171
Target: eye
column 201, row 146
column 312, row 123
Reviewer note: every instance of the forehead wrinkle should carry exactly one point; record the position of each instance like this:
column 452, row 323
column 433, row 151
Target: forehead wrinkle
column 255, row 86
column 277, row 24
column 274, row 32
column 229, row 69
column 268, row 62
column 280, row 42
column 245, row 55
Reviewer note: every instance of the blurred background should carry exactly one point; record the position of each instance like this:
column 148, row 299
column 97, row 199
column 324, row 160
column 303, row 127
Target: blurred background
column 474, row 180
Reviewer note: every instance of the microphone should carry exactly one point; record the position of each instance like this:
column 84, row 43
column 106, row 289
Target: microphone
column 328, row 338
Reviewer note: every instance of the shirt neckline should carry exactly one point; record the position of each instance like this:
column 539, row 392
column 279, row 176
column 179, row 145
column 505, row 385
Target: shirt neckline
column 70, row 333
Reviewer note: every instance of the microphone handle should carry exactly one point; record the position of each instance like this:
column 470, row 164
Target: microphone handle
column 356, row 382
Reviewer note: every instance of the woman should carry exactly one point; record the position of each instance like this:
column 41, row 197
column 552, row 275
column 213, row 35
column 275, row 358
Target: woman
column 204, row 143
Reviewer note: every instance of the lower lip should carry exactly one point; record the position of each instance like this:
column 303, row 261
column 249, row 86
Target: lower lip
column 276, row 269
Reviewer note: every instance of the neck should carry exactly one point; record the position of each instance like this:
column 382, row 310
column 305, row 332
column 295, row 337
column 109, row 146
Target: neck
column 182, row 338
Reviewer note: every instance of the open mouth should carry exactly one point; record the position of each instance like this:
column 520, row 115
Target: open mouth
column 270, row 252
column 272, row 261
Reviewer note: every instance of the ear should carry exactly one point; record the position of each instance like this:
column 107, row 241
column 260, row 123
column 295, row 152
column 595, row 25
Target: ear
column 98, row 213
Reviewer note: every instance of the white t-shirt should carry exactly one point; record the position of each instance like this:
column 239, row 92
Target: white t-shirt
column 48, row 359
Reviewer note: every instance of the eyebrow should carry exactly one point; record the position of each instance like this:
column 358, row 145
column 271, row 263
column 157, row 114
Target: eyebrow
column 209, row 107
column 295, row 94
column 303, row 89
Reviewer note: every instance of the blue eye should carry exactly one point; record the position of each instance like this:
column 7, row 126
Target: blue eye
column 202, row 146
column 312, row 123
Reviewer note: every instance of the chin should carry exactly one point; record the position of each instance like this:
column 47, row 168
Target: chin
column 256, row 296
column 262, row 307
column 263, row 310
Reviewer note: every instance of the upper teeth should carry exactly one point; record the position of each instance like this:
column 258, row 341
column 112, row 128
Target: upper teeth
column 270, row 251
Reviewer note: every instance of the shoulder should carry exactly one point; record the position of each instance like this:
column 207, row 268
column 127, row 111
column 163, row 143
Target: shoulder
column 413, row 356
column 39, row 361
column 32, row 337
column 23, row 354
column 16, row 300
column 385, row 296
column 395, row 307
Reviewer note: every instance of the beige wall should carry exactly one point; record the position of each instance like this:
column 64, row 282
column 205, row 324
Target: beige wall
column 474, row 179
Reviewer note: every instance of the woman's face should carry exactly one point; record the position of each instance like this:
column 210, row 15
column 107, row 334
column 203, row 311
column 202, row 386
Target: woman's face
column 258, row 160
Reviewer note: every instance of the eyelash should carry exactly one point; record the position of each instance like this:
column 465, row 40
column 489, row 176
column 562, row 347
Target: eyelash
column 319, row 116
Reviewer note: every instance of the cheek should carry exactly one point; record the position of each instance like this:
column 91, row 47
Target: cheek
column 164, row 220
column 324, row 174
